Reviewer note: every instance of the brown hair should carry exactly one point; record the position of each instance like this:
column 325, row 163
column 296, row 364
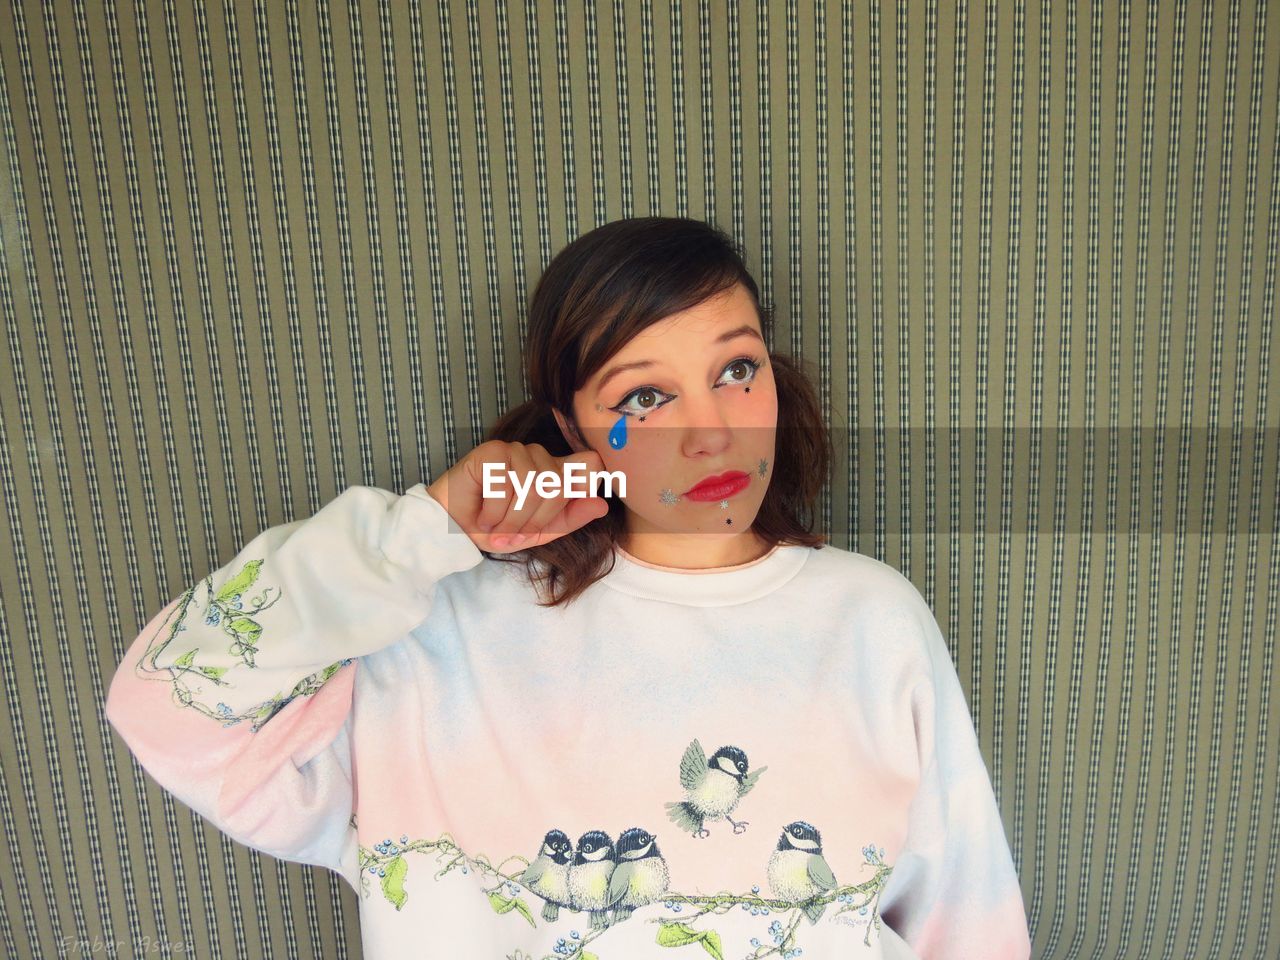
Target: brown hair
column 596, row 295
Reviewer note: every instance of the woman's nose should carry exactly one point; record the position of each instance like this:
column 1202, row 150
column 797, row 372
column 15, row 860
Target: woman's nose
column 706, row 427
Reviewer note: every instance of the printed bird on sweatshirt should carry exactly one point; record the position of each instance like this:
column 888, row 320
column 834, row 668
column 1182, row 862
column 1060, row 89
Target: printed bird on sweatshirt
column 641, row 875
column 797, row 870
column 712, row 788
column 548, row 874
column 589, row 874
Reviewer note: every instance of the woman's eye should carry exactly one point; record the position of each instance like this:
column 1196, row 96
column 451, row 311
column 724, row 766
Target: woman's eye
column 648, row 399
column 644, row 400
column 746, row 368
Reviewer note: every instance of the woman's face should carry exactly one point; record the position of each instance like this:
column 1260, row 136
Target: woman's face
column 696, row 396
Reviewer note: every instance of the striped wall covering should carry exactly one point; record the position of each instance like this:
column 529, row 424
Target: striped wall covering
column 253, row 252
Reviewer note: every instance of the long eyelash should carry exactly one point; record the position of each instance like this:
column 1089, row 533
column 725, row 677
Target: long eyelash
column 756, row 364
column 631, row 413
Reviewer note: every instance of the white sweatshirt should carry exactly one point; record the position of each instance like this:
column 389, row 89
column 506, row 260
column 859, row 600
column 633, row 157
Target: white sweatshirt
column 770, row 759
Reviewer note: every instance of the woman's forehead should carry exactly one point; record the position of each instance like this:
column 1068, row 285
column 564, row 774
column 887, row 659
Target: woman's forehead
column 715, row 321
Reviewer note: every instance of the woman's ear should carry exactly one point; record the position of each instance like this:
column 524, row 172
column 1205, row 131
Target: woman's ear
column 570, row 433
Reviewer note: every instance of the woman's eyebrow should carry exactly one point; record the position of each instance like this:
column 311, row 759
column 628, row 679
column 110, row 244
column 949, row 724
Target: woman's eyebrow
column 746, row 330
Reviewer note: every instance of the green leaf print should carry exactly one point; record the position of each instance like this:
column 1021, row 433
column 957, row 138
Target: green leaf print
column 500, row 903
column 676, row 935
column 524, row 909
column 241, row 582
column 711, row 943
column 246, row 627
column 246, row 630
column 680, row 935
column 331, row 669
column 187, row 660
column 393, row 882
column 503, row 904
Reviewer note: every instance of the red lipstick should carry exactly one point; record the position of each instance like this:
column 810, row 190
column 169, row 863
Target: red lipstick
column 719, row 487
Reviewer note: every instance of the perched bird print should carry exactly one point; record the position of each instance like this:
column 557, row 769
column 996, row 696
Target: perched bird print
column 797, row 869
column 548, row 874
column 712, row 788
column 641, row 875
column 589, row 876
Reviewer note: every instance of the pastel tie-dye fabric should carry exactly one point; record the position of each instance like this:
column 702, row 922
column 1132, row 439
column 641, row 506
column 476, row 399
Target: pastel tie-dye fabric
column 774, row 759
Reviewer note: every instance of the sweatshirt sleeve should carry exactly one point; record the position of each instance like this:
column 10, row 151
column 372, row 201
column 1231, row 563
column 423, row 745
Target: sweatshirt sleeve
column 236, row 697
column 953, row 892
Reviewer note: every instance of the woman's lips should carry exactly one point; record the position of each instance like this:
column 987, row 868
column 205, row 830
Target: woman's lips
column 720, row 488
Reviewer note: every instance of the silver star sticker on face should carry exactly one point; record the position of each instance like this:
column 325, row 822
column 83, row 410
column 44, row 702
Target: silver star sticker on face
column 724, row 504
column 764, row 465
column 668, row 497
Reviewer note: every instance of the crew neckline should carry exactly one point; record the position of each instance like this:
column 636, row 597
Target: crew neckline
column 710, row 586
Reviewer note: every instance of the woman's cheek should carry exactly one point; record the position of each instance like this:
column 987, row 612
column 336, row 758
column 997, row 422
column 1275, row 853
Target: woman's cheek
column 766, row 414
column 630, row 461
column 642, row 471
column 768, row 400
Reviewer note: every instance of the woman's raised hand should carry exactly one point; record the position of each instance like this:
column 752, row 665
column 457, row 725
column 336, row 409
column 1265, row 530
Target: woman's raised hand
column 496, row 524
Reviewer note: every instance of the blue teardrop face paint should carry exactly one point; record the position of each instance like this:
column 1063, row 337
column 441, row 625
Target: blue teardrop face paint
column 618, row 434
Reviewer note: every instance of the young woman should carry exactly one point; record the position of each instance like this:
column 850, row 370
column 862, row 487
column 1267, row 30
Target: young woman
column 526, row 714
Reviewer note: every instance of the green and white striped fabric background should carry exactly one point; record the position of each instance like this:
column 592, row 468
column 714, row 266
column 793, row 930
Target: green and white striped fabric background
column 253, row 252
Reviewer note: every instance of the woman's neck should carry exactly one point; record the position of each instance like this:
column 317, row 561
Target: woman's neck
column 693, row 551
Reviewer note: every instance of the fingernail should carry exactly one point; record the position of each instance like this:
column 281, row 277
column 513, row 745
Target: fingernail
column 501, row 541
column 519, row 539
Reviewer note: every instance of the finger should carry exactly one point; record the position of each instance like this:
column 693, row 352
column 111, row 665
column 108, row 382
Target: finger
column 592, row 463
column 589, row 458
column 547, row 507
column 577, row 514
column 523, row 467
column 463, row 493
column 491, row 510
